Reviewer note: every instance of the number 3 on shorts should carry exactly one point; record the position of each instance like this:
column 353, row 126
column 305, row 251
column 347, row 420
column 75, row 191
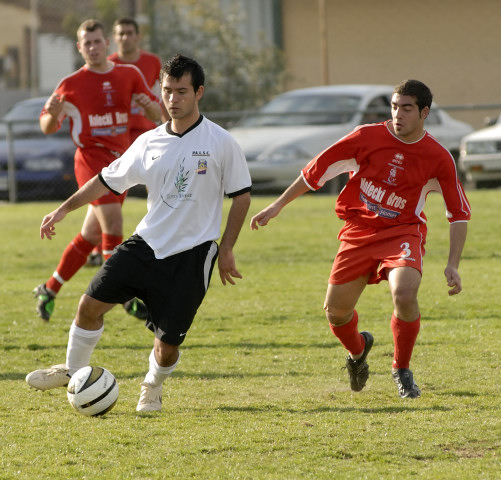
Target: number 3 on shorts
column 407, row 252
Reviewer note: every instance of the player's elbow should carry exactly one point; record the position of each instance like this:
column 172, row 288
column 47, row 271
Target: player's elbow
column 47, row 126
column 156, row 113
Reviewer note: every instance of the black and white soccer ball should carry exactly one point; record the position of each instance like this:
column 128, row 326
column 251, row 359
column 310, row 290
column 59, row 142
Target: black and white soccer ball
column 93, row 391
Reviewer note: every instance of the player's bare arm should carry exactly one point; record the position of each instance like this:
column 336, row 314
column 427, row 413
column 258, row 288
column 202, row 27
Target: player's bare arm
column 457, row 234
column 296, row 189
column 92, row 190
column 236, row 217
column 151, row 108
column 53, row 107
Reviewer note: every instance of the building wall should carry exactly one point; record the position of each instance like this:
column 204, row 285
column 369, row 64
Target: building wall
column 15, row 24
column 452, row 45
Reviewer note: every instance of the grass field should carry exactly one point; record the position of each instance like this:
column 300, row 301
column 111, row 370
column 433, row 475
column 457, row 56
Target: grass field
column 259, row 393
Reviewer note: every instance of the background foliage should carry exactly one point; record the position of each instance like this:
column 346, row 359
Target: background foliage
column 239, row 77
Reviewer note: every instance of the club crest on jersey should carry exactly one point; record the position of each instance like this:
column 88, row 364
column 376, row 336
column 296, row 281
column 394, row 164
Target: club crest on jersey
column 202, row 162
column 108, row 91
column 202, row 167
column 395, row 167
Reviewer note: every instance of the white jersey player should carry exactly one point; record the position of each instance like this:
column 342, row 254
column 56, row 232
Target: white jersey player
column 188, row 165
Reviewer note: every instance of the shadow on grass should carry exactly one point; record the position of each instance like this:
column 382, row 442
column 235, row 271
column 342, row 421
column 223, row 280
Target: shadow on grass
column 147, row 346
column 401, row 409
column 459, row 393
column 179, row 374
column 263, row 346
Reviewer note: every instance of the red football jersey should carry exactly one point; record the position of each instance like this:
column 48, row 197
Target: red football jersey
column 98, row 105
column 390, row 178
column 150, row 66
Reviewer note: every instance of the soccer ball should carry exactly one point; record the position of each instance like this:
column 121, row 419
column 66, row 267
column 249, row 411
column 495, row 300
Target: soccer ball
column 93, row 391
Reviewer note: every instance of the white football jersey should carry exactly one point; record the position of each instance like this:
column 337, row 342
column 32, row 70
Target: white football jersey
column 187, row 177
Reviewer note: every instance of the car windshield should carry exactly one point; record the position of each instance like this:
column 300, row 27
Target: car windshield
column 304, row 110
column 25, row 123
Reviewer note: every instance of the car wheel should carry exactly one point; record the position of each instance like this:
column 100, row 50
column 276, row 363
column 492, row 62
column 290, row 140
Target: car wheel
column 488, row 184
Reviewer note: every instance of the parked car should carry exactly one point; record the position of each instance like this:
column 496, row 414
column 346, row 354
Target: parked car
column 480, row 157
column 286, row 133
column 43, row 163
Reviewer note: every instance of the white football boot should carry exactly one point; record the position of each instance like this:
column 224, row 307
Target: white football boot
column 150, row 399
column 48, row 378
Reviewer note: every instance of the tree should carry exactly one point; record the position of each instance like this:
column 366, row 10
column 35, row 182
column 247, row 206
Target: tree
column 239, row 77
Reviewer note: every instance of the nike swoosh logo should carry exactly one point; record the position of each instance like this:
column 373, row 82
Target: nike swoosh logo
column 182, row 334
column 154, row 158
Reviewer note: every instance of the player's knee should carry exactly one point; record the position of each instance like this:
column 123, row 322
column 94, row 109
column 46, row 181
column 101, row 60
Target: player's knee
column 89, row 314
column 92, row 236
column 336, row 316
column 166, row 354
column 404, row 297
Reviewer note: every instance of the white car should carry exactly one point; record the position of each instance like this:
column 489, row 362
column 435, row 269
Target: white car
column 480, row 156
column 285, row 134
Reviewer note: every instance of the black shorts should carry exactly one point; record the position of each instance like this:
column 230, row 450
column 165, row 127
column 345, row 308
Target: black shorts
column 172, row 288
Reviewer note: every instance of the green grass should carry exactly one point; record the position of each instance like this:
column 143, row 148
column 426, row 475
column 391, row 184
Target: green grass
column 259, row 392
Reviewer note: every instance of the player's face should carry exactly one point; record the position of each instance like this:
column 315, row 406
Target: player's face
column 93, row 47
column 408, row 121
column 126, row 38
column 180, row 100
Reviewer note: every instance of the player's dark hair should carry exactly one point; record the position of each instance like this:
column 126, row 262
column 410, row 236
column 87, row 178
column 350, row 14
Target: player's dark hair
column 91, row 25
column 126, row 21
column 180, row 65
column 416, row 89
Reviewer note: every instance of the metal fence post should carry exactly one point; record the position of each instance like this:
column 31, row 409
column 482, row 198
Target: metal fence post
column 11, row 165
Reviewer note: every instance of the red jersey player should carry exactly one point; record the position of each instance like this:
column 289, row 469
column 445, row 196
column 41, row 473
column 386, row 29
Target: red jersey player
column 126, row 36
column 394, row 165
column 97, row 100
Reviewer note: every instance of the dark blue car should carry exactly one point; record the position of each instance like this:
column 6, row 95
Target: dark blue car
column 44, row 163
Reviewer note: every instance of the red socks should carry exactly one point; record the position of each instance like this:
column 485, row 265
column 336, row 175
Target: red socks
column 109, row 244
column 404, row 338
column 73, row 258
column 349, row 335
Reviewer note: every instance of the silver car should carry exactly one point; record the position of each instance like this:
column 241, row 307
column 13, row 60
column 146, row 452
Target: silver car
column 480, row 158
column 286, row 133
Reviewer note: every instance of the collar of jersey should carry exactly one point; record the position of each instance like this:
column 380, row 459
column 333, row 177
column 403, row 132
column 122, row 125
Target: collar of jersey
column 195, row 125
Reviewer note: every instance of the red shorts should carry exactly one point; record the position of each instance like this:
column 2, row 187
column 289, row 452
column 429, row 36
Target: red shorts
column 370, row 251
column 88, row 163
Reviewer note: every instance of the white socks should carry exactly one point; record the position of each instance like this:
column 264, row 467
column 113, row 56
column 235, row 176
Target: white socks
column 81, row 344
column 157, row 374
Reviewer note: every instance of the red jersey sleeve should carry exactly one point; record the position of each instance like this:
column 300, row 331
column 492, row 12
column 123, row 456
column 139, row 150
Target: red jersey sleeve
column 341, row 157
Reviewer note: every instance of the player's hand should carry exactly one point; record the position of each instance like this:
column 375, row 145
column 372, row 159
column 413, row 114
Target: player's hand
column 47, row 228
column 227, row 268
column 453, row 280
column 55, row 104
column 142, row 100
column 263, row 217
